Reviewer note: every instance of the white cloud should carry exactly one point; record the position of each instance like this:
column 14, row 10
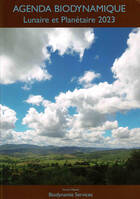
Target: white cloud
column 54, row 126
column 53, row 122
column 23, row 51
column 121, row 133
column 7, row 123
column 70, row 40
column 34, row 100
column 87, row 78
column 95, row 107
column 126, row 68
column 7, row 118
column 22, row 54
column 125, row 137
column 109, row 125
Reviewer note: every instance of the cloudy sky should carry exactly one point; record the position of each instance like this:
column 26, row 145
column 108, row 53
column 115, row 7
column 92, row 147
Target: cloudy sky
column 70, row 87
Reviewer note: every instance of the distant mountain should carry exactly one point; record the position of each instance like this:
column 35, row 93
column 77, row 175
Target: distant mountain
column 11, row 149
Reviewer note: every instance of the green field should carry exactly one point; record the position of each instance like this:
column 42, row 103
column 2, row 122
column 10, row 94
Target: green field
column 100, row 167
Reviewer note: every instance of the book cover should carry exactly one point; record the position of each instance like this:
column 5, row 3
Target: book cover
column 70, row 99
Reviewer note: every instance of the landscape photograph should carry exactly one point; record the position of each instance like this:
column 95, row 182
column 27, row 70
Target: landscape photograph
column 70, row 106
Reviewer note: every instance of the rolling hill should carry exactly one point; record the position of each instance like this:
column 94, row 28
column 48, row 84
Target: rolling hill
column 10, row 149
